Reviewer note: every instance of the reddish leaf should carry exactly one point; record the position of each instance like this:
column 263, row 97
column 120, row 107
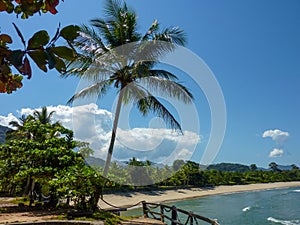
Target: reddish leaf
column 5, row 38
column 3, row 6
column 2, row 87
column 27, row 68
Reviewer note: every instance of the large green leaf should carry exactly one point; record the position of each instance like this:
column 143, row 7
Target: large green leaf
column 40, row 59
column 55, row 62
column 16, row 57
column 70, row 32
column 38, row 40
column 64, row 52
column 60, row 66
column 51, row 58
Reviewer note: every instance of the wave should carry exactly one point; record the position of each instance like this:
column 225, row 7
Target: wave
column 296, row 190
column 284, row 222
column 246, row 208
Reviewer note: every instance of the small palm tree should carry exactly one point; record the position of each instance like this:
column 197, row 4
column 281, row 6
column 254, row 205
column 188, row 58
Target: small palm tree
column 19, row 131
column 110, row 55
column 43, row 116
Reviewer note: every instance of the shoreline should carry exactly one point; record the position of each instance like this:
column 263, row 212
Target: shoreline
column 129, row 199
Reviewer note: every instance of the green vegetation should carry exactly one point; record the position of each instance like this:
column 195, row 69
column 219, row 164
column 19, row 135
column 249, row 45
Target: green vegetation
column 38, row 159
column 186, row 174
column 3, row 131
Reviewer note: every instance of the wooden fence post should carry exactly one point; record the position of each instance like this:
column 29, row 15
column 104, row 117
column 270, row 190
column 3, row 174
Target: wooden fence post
column 162, row 215
column 145, row 209
column 191, row 219
column 174, row 215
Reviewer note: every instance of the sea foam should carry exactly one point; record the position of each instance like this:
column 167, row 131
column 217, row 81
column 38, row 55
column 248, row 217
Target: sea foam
column 246, row 209
column 284, row 222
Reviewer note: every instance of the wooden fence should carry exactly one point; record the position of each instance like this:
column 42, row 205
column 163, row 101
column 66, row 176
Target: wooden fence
column 173, row 215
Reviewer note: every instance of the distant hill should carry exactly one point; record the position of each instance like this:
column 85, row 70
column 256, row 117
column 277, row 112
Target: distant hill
column 235, row 167
column 93, row 161
column 281, row 167
column 3, row 131
column 229, row 167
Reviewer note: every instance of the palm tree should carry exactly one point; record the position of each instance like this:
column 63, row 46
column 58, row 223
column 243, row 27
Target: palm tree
column 109, row 55
column 19, row 132
column 44, row 117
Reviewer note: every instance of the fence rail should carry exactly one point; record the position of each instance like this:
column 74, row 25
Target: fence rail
column 172, row 214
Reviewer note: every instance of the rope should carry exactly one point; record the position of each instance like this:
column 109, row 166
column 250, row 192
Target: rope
column 117, row 207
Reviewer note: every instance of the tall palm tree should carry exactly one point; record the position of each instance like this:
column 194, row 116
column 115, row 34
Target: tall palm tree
column 112, row 53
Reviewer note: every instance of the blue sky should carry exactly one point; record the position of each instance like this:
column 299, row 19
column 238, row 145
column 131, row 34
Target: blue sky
column 252, row 48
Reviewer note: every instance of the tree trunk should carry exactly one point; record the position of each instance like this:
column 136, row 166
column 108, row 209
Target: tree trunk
column 113, row 134
column 95, row 198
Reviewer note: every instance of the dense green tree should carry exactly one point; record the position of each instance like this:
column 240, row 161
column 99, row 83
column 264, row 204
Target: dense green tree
column 253, row 167
column 48, row 158
column 274, row 166
column 126, row 68
column 178, row 164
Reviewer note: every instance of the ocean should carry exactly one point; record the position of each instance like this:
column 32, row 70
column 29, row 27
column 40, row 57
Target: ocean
column 268, row 207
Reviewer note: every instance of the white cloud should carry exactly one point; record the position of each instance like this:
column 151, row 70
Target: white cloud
column 158, row 145
column 4, row 120
column 277, row 135
column 93, row 125
column 276, row 153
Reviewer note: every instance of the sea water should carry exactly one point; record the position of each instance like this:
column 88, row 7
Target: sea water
column 268, row 207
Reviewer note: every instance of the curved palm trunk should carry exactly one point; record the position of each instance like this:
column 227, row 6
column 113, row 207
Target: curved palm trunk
column 113, row 134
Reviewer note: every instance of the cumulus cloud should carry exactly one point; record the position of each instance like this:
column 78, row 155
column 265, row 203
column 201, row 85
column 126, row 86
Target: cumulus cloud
column 277, row 135
column 93, row 125
column 158, row 145
column 276, row 153
column 4, row 120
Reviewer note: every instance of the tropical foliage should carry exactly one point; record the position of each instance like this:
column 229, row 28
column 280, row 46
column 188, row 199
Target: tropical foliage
column 28, row 7
column 39, row 159
column 112, row 53
column 188, row 173
column 40, row 49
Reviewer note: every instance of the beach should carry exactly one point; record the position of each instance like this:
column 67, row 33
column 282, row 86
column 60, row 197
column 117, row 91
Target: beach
column 128, row 199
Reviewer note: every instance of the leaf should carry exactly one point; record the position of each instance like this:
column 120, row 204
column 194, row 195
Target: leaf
column 38, row 40
column 60, row 66
column 5, row 38
column 27, row 68
column 64, row 52
column 40, row 59
column 56, row 34
column 3, row 6
column 51, row 59
column 20, row 34
column 16, row 57
column 70, row 32
column 54, row 61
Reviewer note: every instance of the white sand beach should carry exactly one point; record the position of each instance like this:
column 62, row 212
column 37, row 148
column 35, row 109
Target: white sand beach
column 127, row 199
